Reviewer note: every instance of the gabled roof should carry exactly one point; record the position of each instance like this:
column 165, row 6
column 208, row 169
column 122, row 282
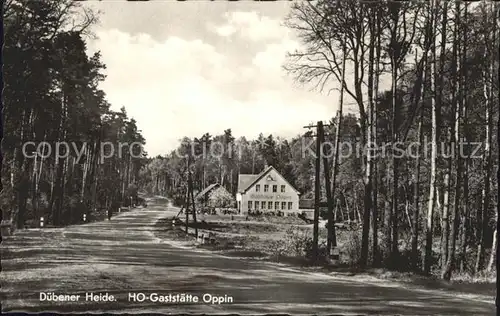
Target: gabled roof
column 206, row 190
column 244, row 180
column 252, row 179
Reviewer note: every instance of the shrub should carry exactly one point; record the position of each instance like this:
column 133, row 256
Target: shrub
column 277, row 249
column 294, row 244
column 322, row 252
column 352, row 248
column 297, row 241
column 221, row 198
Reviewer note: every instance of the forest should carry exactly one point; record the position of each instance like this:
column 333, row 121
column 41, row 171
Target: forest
column 422, row 75
column 51, row 97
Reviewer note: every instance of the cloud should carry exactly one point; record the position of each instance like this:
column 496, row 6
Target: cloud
column 177, row 87
column 252, row 26
column 274, row 55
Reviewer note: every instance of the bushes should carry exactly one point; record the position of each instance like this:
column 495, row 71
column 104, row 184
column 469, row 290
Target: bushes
column 255, row 213
column 220, row 198
column 72, row 211
column 296, row 243
column 352, row 248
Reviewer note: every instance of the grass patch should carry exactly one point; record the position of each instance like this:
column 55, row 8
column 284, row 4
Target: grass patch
column 265, row 240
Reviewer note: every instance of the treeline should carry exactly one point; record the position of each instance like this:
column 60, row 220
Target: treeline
column 221, row 158
column 439, row 60
column 52, row 102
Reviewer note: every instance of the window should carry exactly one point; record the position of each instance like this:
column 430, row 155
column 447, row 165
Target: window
column 282, row 188
column 256, row 205
column 257, row 188
column 263, row 205
column 266, row 188
column 275, row 188
column 277, row 205
column 283, row 205
column 290, row 205
column 270, row 205
column 250, row 205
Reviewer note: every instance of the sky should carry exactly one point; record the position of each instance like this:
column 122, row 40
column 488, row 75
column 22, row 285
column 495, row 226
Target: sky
column 188, row 68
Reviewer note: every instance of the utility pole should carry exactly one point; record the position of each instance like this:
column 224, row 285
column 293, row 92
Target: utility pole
column 186, row 204
column 189, row 201
column 331, row 241
column 320, row 155
column 317, row 189
column 190, row 191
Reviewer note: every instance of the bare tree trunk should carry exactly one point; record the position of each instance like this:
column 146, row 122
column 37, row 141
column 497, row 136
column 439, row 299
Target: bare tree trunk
column 464, row 229
column 485, row 203
column 85, row 172
column 57, row 186
column 387, row 215
column 408, row 217
column 395, row 13
column 457, row 80
column 439, row 91
column 331, row 226
column 416, row 196
column 34, row 181
column 358, row 213
column 368, row 203
column 38, row 174
column 446, row 209
column 375, row 247
column 432, row 186
column 34, row 175
column 494, row 247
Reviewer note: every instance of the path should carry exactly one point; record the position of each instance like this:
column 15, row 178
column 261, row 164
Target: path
column 123, row 256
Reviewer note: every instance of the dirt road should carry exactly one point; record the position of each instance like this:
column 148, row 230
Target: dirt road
column 123, row 257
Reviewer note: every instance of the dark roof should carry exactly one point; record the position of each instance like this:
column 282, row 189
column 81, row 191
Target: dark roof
column 244, row 181
column 254, row 178
column 308, row 204
column 206, row 190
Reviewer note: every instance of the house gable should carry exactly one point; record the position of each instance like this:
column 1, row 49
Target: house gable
column 269, row 175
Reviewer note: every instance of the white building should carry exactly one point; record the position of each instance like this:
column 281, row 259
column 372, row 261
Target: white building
column 268, row 191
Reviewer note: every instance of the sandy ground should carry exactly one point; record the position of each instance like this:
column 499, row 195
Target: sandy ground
column 125, row 256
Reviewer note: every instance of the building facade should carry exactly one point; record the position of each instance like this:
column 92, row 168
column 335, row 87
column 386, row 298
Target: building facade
column 268, row 191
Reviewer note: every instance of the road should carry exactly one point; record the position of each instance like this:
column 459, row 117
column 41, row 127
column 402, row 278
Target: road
column 125, row 256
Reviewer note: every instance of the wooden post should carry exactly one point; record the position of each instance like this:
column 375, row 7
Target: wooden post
column 317, row 192
column 331, row 239
column 186, row 203
column 190, row 188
